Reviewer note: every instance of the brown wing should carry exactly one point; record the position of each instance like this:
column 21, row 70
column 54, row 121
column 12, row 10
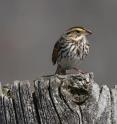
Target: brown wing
column 55, row 52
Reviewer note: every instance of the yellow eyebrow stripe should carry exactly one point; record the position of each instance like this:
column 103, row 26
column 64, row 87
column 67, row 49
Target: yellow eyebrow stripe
column 78, row 29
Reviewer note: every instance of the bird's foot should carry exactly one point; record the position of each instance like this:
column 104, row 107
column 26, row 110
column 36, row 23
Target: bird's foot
column 79, row 70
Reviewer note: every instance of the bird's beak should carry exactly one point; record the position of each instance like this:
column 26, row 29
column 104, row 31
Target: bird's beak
column 88, row 32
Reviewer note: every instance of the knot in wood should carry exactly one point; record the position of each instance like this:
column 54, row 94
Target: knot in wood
column 76, row 88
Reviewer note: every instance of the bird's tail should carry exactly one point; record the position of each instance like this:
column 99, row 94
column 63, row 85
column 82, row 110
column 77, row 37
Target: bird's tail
column 60, row 70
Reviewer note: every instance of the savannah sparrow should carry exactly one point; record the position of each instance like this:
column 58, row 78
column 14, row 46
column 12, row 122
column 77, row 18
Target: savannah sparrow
column 71, row 47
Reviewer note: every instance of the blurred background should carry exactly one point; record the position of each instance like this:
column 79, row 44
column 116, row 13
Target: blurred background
column 30, row 28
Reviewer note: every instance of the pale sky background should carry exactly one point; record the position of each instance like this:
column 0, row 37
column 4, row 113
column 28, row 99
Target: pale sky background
column 29, row 29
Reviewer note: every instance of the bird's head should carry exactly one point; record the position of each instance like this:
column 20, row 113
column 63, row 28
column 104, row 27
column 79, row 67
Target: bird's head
column 77, row 33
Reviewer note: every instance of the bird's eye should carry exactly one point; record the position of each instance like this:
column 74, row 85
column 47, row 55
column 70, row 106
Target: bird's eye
column 78, row 31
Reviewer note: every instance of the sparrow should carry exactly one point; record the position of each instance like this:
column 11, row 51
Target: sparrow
column 70, row 49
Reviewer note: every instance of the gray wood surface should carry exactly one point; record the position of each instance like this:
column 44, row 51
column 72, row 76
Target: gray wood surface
column 58, row 99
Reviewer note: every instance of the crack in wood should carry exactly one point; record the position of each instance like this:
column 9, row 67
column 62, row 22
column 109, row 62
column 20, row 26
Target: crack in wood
column 51, row 97
column 62, row 98
column 36, row 107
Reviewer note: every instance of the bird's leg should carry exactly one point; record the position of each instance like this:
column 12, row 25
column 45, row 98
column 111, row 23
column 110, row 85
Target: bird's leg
column 79, row 70
column 60, row 70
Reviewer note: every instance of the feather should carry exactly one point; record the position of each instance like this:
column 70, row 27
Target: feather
column 55, row 52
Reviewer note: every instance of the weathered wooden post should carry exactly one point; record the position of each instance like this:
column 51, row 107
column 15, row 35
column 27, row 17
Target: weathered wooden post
column 58, row 99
